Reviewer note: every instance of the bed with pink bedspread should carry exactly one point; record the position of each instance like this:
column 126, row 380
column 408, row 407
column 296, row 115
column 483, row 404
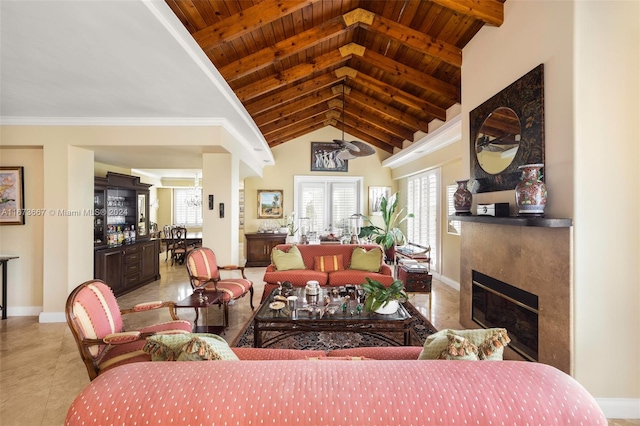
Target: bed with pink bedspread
column 332, row 391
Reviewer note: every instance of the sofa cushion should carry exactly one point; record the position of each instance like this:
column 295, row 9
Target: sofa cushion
column 328, row 263
column 297, row 277
column 285, row 261
column 355, row 276
column 438, row 342
column 364, row 260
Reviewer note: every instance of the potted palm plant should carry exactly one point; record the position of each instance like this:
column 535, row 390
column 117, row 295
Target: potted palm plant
column 389, row 235
column 381, row 299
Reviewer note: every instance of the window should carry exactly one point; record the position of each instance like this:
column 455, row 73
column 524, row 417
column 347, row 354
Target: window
column 327, row 202
column 182, row 213
column 422, row 201
column 453, row 226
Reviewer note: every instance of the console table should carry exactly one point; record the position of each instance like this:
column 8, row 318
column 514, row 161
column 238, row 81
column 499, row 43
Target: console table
column 259, row 246
column 4, row 260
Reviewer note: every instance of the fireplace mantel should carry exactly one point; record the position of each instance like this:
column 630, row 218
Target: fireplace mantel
column 517, row 221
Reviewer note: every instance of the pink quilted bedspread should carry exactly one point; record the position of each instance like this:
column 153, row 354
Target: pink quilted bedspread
column 335, row 392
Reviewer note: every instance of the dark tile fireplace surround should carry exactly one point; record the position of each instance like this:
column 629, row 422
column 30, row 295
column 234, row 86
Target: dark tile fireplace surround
column 533, row 256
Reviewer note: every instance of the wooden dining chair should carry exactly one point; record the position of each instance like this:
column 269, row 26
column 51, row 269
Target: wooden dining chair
column 180, row 248
column 166, row 235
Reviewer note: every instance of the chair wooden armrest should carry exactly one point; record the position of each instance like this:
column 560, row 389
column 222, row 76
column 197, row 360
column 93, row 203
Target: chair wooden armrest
column 149, row 306
column 234, row 268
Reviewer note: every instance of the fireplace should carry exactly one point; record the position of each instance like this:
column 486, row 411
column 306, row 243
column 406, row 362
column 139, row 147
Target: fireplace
column 497, row 304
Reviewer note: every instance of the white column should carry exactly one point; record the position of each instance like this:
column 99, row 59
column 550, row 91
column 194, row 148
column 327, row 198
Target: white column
column 220, row 178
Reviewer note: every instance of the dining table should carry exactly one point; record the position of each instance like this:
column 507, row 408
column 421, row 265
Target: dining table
column 192, row 238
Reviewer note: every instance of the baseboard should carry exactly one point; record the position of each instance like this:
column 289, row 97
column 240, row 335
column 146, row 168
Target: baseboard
column 446, row 280
column 46, row 317
column 24, row 311
column 620, row 408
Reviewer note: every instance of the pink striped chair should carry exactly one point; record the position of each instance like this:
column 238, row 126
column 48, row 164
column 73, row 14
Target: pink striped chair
column 96, row 324
column 204, row 274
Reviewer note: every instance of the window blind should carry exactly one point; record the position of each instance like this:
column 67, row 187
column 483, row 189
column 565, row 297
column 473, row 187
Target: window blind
column 422, row 201
column 182, row 213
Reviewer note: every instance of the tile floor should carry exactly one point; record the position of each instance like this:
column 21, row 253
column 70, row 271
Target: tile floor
column 41, row 371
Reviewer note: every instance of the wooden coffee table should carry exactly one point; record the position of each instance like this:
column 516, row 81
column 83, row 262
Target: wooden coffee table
column 319, row 317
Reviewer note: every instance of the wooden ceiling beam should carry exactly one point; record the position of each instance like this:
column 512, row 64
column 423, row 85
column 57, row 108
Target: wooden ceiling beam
column 421, row 42
column 409, row 120
column 372, row 118
column 411, row 75
column 276, row 99
column 291, row 108
column 365, row 137
column 488, row 11
column 301, row 132
column 246, row 21
column 283, row 49
column 371, row 131
column 290, row 75
column 400, row 96
column 293, row 119
column 304, row 125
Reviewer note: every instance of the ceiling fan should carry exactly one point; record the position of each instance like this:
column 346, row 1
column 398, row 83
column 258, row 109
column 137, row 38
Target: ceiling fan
column 348, row 150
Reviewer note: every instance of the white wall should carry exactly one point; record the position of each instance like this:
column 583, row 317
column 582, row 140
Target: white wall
column 590, row 52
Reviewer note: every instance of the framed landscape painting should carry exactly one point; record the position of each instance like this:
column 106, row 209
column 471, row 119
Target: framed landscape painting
column 11, row 196
column 269, row 203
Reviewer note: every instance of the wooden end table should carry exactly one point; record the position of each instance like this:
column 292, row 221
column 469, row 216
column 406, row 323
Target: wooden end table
column 193, row 301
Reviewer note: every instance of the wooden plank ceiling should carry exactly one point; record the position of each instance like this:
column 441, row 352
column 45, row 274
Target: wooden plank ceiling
column 287, row 61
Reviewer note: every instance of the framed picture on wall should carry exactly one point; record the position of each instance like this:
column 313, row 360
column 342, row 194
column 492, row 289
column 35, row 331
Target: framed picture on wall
column 375, row 198
column 11, row 196
column 324, row 158
column 270, row 204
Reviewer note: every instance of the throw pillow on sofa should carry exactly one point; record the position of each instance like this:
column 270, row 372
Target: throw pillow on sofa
column 490, row 342
column 459, row 348
column 363, row 260
column 287, row 260
column 188, row 347
column 328, row 263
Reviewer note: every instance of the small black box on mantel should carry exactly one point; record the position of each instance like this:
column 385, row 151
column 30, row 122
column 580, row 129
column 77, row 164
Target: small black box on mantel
column 495, row 209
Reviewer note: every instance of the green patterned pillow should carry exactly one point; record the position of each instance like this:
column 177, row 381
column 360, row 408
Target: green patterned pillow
column 459, row 348
column 166, row 347
column 363, row 260
column 287, row 260
column 490, row 342
column 207, row 347
column 188, row 347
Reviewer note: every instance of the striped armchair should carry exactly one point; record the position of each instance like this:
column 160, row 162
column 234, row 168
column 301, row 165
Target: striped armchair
column 97, row 326
column 204, row 274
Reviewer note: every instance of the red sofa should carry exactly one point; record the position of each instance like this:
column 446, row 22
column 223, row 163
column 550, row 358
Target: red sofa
column 309, row 252
column 262, row 389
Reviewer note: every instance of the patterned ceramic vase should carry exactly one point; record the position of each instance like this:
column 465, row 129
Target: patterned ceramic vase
column 462, row 198
column 531, row 192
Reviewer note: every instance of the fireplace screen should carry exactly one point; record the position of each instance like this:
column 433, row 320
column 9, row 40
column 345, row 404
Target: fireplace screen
column 498, row 304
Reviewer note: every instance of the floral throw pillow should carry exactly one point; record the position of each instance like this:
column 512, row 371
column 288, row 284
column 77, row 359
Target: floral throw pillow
column 459, row 348
column 188, row 347
column 490, row 342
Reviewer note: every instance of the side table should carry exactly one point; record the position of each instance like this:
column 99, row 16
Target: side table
column 193, row 301
column 416, row 278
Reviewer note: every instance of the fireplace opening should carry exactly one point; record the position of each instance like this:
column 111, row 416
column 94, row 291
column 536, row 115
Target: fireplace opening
column 497, row 304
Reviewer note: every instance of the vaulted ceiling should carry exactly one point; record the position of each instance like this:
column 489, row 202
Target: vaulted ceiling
column 287, row 61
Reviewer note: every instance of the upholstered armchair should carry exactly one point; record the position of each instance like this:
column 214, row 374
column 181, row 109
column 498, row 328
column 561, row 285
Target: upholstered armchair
column 97, row 326
column 204, row 275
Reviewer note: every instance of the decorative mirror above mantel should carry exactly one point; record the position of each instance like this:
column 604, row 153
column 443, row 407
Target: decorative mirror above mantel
column 506, row 132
